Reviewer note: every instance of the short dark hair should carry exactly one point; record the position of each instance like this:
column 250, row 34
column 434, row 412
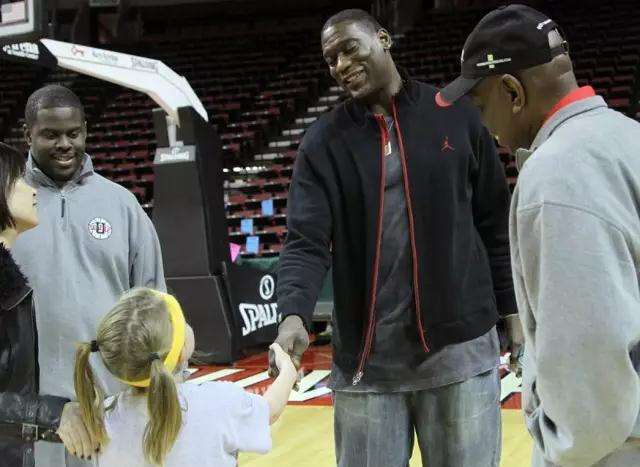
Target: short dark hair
column 11, row 169
column 49, row 97
column 354, row 15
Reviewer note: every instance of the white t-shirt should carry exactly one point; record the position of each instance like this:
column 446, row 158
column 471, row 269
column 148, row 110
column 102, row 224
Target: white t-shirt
column 218, row 420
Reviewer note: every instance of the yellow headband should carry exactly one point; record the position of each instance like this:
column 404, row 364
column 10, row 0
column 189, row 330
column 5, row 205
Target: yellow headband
column 178, row 324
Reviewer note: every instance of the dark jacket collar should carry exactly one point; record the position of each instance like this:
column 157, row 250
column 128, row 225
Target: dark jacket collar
column 13, row 285
column 360, row 114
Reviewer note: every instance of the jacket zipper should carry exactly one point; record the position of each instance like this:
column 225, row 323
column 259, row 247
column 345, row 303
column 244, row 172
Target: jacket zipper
column 384, row 141
column 35, row 342
column 412, row 236
column 34, row 333
column 62, row 207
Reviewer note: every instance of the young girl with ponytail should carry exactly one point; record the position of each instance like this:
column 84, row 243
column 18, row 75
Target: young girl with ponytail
column 145, row 343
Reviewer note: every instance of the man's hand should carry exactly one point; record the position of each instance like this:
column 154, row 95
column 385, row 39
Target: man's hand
column 294, row 340
column 74, row 433
column 515, row 342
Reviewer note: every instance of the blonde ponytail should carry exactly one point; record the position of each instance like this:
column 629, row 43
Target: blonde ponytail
column 90, row 395
column 165, row 414
column 139, row 326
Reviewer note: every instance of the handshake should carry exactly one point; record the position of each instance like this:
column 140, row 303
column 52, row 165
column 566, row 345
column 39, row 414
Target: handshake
column 292, row 341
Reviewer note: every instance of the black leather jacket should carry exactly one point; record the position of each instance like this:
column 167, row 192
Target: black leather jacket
column 25, row 416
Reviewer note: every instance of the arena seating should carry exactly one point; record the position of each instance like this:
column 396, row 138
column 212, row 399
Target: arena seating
column 17, row 82
column 262, row 90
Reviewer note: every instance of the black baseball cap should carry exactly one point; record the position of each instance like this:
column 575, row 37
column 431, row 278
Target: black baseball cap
column 509, row 39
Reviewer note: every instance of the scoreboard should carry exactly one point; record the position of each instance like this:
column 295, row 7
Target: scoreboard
column 21, row 20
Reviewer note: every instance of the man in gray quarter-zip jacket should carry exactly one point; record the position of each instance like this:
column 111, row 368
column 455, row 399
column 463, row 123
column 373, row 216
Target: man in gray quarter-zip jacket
column 93, row 243
column 575, row 239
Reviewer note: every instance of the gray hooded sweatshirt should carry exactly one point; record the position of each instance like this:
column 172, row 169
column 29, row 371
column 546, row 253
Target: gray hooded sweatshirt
column 93, row 243
column 575, row 249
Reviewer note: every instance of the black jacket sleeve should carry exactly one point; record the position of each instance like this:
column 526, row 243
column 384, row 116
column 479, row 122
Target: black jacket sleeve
column 491, row 200
column 44, row 411
column 305, row 257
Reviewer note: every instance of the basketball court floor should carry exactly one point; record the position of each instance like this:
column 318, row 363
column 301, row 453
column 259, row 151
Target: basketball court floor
column 303, row 437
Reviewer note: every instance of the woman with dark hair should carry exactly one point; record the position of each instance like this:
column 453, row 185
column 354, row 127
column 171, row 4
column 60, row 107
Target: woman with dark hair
column 25, row 416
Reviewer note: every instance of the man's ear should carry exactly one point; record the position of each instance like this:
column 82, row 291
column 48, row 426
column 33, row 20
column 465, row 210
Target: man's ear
column 385, row 39
column 514, row 89
column 26, row 131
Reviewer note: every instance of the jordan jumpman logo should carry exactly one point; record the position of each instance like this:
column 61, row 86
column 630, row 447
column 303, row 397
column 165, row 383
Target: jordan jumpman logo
column 446, row 145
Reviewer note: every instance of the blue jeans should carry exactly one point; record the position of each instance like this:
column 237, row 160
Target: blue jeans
column 458, row 425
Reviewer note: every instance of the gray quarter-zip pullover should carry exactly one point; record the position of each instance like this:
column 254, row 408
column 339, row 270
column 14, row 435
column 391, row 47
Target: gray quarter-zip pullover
column 575, row 250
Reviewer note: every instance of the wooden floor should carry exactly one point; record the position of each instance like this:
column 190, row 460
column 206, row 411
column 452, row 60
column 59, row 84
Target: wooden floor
column 303, row 437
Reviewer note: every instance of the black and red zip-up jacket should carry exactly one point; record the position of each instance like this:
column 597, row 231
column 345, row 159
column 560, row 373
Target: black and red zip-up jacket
column 457, row 202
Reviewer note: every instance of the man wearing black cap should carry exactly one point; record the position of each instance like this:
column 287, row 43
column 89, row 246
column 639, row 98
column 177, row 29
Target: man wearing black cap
column 575, row 238
column 410, row 205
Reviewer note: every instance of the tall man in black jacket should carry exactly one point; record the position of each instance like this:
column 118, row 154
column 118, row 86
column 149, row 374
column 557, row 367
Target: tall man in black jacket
column 409, row 202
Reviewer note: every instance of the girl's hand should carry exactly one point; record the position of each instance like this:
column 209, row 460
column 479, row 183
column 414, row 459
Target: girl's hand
column 282, row 360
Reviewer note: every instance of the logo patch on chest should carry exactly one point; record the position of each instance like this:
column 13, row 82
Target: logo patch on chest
column 100, row 228
column 446, row 146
